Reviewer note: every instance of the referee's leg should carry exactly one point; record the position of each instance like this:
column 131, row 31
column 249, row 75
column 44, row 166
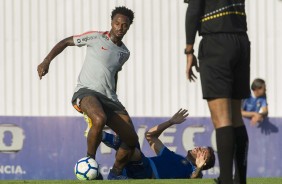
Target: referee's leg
column 241, row 144
column 220, row 109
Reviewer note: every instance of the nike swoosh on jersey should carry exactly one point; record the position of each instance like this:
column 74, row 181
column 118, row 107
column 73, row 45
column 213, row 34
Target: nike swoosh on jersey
column 103, row 48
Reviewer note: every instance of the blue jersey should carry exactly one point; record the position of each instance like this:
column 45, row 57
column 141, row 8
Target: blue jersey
column 166, row 165
column 253, row 104
column 171, row 165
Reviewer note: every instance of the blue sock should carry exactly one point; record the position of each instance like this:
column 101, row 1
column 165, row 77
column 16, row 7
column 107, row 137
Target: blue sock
column 112, row 141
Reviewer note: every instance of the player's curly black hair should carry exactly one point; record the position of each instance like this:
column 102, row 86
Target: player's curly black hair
column 124, row 11
column 211, row 160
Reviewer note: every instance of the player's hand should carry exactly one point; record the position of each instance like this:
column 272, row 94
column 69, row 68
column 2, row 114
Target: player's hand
column 201, row 158
column 191, row 62
column 257, row 118
column 43, row 68
column 179, row 117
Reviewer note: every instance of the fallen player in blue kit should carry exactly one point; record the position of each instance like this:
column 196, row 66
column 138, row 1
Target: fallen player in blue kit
column 166, row 164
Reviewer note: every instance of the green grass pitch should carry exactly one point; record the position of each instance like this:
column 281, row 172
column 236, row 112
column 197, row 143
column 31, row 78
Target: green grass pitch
column 171, row 181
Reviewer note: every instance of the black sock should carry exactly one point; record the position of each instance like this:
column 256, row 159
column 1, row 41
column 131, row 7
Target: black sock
column 225, row 149
column 241, row 154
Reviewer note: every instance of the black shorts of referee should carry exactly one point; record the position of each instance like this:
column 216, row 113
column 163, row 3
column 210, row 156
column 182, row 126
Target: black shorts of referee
column 224, row 60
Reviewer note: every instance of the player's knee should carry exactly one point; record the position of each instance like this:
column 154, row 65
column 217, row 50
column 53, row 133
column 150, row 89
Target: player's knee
column 99, row 121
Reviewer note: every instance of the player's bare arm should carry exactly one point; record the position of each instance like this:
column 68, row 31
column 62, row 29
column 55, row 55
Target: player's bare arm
column 152, row 135
column 264, row 111
column 43, row 67
column 257, row 118
column 248, row 114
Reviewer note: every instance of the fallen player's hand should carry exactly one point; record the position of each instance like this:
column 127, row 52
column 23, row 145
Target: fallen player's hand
column 179, row 117
column 201, row 158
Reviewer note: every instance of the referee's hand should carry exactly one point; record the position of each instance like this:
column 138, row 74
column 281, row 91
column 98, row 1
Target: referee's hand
column 191, row 61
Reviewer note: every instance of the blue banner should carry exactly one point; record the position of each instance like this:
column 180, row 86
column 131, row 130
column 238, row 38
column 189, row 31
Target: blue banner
column 48, row 147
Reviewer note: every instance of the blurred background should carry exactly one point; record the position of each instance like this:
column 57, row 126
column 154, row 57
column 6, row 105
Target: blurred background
column 152, row 82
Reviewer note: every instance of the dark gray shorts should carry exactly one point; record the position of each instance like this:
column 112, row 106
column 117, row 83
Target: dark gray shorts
column 110, row 107
column 225, row 65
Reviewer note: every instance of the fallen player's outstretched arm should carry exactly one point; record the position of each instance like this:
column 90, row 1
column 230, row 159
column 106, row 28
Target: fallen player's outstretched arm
column 152, row 135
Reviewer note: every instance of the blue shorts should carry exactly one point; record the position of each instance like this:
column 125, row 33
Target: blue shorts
column 139, row 170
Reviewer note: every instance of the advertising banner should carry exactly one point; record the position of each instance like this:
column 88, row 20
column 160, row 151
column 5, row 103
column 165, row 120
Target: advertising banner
column 48, row 147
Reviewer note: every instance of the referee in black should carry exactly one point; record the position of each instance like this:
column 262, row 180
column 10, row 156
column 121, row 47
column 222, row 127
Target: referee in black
column 224, row 66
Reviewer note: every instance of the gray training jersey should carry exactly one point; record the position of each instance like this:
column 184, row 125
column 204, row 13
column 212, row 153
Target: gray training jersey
column 103, row 60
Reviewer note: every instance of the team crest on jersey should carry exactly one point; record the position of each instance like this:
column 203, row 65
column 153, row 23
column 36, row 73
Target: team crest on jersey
column 258, row 104
column 184, row 161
